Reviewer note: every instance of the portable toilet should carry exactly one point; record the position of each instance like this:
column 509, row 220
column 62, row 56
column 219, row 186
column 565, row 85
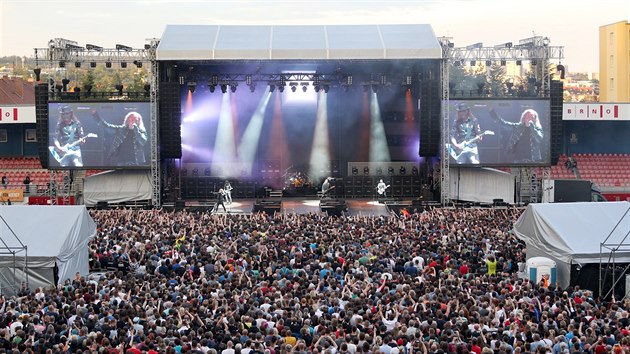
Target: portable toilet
column 537, row 267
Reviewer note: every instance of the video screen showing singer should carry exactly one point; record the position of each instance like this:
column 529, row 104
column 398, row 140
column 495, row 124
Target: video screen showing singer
column 128, row 140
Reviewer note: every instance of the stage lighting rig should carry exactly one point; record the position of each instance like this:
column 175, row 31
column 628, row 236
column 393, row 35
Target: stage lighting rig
column 123, row 48
column 94, row 47
column 293, row 86
column 192, row 86
column 304, row 86
column 233, row 86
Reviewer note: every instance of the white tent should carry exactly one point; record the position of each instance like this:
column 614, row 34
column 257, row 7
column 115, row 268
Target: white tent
column 117, row 187
column 54, row 236
column 312, row 42
column 573, row 233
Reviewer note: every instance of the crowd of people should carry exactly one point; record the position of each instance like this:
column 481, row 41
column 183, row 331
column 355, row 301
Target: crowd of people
column 441, row 281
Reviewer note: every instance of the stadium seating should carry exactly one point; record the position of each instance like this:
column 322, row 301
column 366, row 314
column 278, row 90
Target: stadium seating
column 606, row 170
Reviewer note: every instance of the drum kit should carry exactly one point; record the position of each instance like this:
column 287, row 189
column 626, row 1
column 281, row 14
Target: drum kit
column 297, row 180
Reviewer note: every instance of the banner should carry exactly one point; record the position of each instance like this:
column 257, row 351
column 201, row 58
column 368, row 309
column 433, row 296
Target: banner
column 14, row 195
column 596, row 111
column 17, row 114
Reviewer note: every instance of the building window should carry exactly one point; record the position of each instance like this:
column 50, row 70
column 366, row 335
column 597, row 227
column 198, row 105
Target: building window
column 612, row 84
column 611, row 62
column 611, row 40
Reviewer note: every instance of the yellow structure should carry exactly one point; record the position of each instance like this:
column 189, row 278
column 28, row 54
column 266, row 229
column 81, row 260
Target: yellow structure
column 614, row 62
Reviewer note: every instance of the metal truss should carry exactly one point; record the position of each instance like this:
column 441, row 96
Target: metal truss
column 155, row 151
column 444, row 160
column 62, row 50
column 511, row 54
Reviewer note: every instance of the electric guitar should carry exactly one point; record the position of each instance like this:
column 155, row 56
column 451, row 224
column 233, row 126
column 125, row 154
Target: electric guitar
column 328, row 190
column 67, row 148
column 467, row 145
column 380, row 189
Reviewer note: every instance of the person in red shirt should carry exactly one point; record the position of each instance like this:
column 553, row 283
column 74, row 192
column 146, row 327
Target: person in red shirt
column 463, row 269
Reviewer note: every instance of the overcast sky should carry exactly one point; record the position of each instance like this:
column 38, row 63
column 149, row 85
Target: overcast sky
column 26, row 24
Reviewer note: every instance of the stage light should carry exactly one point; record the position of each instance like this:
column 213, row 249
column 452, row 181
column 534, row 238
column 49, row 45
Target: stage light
column 65, row 83
column 293, row 86
column 214, row 80
column 519, row 62
column 366, row 87
column 92, row 64
column 457, row 63
column 233, row 86
column 192, row 86
column 304, row 86
column 349, row 80
column 93, row 47
column 119, row 88
column 38, row 72
column 212, row 88
column 281, row 88
column 123, row 64
column 560, row 68
column 408, row 80
column 248, row 80
column 77, row 64
column 108, row 64
column 137, row 63
column 503, row 62
column 123, row 47
column 316, row 87
column 62, row 64
column 375, row 88
column 534, row 62
column 383, row 80
column 316, row 80
column 252, row 87
column 182, row 80
column 326, row 88
column 488, row 62
column 224, row 88
column 272, row 87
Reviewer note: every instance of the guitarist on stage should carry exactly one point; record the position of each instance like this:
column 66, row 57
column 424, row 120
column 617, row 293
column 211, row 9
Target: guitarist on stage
column 381, row 189
column 466, row 128
column 68, row 138
column 326, row 187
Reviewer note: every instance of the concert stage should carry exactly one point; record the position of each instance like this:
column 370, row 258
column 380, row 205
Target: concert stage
column 369, row 207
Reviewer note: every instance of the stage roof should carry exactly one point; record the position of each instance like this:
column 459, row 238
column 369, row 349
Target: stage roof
column 339, row 42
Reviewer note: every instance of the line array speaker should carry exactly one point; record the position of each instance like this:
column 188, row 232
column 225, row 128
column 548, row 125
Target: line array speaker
column 41, row 122
column 556, row 133
column 170, row 120
column 430, row 107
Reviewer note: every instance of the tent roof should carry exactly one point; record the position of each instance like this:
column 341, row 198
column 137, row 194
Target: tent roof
column 213, row 42
column 47, row 231
column 576, row 230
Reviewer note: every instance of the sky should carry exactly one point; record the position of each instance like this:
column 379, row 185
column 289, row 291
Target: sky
column 28, row 24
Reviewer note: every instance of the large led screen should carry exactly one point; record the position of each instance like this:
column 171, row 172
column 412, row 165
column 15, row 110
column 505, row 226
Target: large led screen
column 100, row 135
column 499, row 132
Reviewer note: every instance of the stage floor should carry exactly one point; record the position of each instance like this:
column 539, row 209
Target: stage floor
column 295, row 205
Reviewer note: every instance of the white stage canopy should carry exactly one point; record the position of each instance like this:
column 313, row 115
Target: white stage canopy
column 212, row 42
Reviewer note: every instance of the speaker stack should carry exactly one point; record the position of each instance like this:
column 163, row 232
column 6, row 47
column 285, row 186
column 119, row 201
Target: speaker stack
column 556, row 120
column 430, row 109
column 170, row 120
column 41, row 122
column 269, row 207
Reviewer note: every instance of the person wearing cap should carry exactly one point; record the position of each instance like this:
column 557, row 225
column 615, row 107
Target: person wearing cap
column 68, row 138
column 525, row 136
column 465, row 134
column 127, row 147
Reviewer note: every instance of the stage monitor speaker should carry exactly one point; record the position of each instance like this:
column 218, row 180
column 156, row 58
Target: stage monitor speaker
column 430, row 101
column 269, row 207
column 334, row 207
column 556, row 136
column 41, row 122
column 169, row 101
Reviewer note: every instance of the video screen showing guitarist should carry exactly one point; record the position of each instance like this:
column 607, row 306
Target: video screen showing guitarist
column 68, row 138
column 465, row 134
